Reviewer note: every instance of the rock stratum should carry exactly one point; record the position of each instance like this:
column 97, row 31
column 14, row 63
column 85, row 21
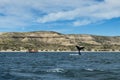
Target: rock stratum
column 54, row 41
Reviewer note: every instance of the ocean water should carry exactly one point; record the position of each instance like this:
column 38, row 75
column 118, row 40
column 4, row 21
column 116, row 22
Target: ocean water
column 60, row 66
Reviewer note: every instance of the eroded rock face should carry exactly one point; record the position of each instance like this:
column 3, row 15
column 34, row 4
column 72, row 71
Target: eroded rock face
column 49, row 37
column 43, row 38
column 83, row 38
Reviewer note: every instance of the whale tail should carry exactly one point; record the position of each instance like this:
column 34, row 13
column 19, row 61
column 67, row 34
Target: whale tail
column 79, row 48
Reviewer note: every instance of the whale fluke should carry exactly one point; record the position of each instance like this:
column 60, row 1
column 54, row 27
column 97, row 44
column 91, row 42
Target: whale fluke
column 79, row 48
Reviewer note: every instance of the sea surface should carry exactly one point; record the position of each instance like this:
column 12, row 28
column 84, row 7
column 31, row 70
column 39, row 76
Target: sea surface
column 60, row 66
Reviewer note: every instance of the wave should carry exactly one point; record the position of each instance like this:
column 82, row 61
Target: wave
column 89, row 69
column 57, row 73
column 56, row 70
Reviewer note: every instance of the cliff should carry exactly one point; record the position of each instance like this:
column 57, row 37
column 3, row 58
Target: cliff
column 49, row 40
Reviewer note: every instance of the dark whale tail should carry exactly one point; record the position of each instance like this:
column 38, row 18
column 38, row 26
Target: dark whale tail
column 79, row 48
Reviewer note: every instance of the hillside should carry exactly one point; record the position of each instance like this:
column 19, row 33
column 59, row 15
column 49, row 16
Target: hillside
column 53, row 41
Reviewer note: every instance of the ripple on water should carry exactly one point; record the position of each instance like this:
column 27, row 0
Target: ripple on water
column 59, row 66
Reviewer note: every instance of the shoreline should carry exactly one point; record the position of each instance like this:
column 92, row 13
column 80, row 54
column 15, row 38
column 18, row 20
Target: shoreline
column 58, row 51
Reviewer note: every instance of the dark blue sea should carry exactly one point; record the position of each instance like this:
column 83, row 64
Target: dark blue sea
column 60, row 66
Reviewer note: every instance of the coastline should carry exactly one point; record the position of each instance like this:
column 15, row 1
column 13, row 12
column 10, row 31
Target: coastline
column 59, row 51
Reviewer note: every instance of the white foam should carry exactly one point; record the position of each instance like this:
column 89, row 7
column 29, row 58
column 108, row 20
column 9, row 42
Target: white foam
column 56, row 70
column 74, row 54
column 89, row 69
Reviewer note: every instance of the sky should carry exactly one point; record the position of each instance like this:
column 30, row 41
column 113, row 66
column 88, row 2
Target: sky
column 97, row 17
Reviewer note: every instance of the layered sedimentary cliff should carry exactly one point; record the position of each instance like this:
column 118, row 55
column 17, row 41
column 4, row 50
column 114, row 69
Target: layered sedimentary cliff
column 49, row 40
